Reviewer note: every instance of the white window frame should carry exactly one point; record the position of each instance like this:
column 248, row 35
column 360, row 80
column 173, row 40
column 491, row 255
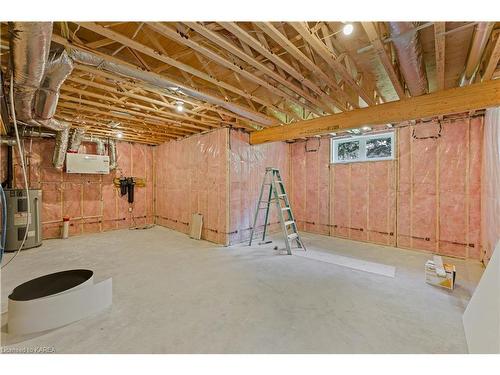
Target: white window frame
column 362, row 147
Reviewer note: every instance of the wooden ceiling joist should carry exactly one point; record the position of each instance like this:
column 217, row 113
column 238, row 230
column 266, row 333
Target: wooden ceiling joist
column 492, row 63
column 377, row 43
column 279, row 62
column 331, row 59
column 451, row 101
column 250, row 115
column 229, row 46
column 175, row 63
column 296, row 53
column 78, row 105
column 161, row 94
column 439, row 49
column 108, row 89
column 159, row 116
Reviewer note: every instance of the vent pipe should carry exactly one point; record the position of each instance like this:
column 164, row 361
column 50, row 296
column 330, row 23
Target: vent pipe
column 112, row 154
column 61, row 145
column 410, row 56
column 76, row 139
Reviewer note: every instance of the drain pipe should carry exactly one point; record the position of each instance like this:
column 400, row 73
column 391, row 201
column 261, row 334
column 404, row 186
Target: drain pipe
column 480, row 39
column 410, row 56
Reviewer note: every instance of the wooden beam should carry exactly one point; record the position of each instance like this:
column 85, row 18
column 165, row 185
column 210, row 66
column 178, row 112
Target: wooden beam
column 372, row 33
column 493, row 60
column 439, row 47
column 446, row 102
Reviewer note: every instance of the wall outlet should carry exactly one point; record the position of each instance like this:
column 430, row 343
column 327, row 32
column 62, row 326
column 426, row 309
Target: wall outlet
column 130, row 209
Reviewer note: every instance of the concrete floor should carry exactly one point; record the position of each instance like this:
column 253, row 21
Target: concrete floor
column 172, row 294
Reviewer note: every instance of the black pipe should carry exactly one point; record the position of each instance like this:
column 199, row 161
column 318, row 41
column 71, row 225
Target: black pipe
column 10, row 172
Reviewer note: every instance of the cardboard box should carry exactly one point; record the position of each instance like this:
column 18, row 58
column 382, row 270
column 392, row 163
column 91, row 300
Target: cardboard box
column 440, row 274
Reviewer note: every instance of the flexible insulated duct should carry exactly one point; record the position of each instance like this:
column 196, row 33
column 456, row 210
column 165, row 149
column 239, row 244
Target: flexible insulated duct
column 61, row 145
column 58, row 68
column 76, row 139
column 37, row 81
column 29, row 48
column 112, row 154
column 410, row 56
column 480, row 38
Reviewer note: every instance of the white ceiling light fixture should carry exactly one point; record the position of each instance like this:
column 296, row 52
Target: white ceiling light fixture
column 348, row 28
column 366, row 128
column 179, row 106
column 119, row 135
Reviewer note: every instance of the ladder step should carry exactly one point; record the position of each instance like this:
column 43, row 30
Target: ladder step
column 281, row 195
column 285, row 208
column 292, row 236
column 289, row 222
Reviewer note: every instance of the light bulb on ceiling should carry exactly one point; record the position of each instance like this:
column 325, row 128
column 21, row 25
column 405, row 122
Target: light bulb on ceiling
column 119, row 135
column 179, row 106
column 347, row 29
column 366, row 128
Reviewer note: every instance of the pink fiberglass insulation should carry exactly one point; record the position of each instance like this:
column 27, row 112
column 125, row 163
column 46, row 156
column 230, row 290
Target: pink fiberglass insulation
column 491, row 182
column 91, row 201
column 247, row 168
column 310, row 186
column 433, row 189
column 191, row 177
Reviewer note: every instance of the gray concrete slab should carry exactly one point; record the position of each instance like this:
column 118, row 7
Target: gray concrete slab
column 173, row 294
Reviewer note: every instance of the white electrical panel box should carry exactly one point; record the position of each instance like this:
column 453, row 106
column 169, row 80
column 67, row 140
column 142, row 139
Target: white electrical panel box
column 87, row 163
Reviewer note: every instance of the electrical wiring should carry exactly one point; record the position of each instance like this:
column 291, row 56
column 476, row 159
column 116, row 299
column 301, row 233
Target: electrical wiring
column 23, row 167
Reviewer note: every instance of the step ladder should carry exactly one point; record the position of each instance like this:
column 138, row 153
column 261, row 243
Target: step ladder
column 277, row 195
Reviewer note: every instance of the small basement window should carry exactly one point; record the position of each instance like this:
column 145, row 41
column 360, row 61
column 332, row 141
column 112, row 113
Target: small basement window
column 363, row 148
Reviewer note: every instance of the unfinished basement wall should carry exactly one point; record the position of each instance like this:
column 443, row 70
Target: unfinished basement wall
column 247, row 168
column 192, row 177
column 427, row 199
column 491, row 183
column 91, row 201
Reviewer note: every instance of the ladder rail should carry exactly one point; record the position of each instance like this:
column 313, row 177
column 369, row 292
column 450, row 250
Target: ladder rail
column 277, row 194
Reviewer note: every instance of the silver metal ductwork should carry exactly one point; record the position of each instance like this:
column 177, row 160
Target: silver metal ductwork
column 61, row 145
column 410, row 56
column 37, row 80
column 58, row 68
column 29, row 46
column 76, row 139
column 112, row 154
column 480, row 38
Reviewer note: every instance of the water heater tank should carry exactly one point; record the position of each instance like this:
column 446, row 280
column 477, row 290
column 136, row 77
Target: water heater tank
column 17, row 217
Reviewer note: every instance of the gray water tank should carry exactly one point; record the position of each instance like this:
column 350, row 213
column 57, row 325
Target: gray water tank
column 17, row 217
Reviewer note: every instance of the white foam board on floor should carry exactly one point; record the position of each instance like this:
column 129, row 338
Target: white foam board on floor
column 357, row 264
